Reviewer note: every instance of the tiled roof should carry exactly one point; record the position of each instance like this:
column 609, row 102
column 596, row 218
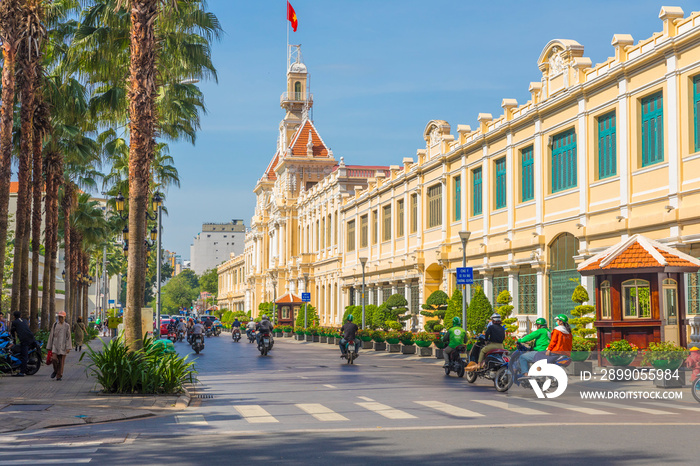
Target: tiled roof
column 301, row 138
column 289, row 298
column 270, row 172
column 639, row 252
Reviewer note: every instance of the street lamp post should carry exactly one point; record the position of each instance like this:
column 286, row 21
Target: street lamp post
column 157, row 207
column 274, row 298
column 464, row 236
column 363, row 261
column 306, row 304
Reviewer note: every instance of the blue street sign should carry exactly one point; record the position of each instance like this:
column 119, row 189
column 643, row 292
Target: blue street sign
column 306, row 297
column 111, row 301
column 465, row 275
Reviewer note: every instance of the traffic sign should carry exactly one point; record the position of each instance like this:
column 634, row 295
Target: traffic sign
column 465, row 275
column 306, row 297
column 111, row 301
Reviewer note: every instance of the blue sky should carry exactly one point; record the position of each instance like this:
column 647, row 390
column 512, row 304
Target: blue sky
column 380, row 70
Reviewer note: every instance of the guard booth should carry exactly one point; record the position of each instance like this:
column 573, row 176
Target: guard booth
column 287, row 307
column 639, row 292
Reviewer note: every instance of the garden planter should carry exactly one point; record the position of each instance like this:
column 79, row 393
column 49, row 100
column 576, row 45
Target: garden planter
column 379, row 346
column 393, row 348
column 423, row 344
column 299, row 337
column 309, row 338
column 671, row 382
column 367, row 344
column 330, row 340
column 315, row 338
column 621, row 358
column 392, row 341
column 665, row 364
column 286, row 334
column 439, row 353
column 408, row 349
column 323, row 339
column 425, row 351
column 576, row 367
column 580, row 355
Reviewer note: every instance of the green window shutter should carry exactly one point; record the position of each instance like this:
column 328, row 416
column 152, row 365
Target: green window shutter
column 527, row 172
column 564, row 161
column 477, row 192
column 652, row 129
column 458, row 198
column 607, row 150
column 696, row 110
column 501, row 183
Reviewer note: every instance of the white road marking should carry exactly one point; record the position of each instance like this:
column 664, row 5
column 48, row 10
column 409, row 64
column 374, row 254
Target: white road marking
column 386, row 411
column 578, row 409
column 192, row 419
column 47, row 461
column 449, row 409
column 631, row 408
column 509, row 407
column 255, row 414
column 666, row 405
column 330, row 386
column 365, row 398
column 321, row 413
column 55, row 451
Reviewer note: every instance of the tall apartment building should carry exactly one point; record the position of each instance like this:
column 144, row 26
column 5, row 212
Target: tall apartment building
column 215, row 244
column 598, row 154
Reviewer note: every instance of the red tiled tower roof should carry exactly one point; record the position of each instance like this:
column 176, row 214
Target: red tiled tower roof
column 301, row 139
column 289, row 298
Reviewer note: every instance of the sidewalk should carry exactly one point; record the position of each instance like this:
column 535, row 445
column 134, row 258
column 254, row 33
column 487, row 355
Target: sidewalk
column 38, row 401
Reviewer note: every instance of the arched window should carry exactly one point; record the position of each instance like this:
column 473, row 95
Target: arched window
column 297, row 91
column 605, row 300
column 636, row 299
column 562, row 251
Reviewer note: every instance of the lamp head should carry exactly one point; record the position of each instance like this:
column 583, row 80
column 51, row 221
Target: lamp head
column 125, row 233
column 154, row 234
column 464, row 235
column 157, row 201
column 119, row 201
column 363, row 261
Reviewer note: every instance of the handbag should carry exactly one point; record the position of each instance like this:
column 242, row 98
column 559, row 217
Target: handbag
column 49, row 356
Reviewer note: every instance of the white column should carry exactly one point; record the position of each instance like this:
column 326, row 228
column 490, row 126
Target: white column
column 463, row 188
column 672, row 135
column 582, row 158
column 485, row 190
column 541, row 301
column 443, row 206
column 514, row 289
column 539, row 175
column 510, row 175
column 488, row 287
column 623, row 138
column 393, row 224
column 406, row 216
column 420, row 217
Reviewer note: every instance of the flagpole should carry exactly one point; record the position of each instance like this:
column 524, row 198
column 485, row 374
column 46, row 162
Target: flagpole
column 286, row 51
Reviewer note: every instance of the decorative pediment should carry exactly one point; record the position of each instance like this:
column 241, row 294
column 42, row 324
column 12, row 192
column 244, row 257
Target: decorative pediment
column 559, row 62
column 435, row 132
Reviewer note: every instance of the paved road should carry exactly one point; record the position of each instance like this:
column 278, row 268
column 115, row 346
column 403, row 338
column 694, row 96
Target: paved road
column 302, row 404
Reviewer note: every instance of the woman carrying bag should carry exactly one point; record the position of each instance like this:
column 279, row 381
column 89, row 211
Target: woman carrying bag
column 59, row 344
column 80, row 332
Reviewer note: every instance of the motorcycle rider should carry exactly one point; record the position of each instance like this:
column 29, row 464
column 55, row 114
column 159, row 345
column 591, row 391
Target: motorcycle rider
column 540, row 338
column 235, row 326
column 250, row 328
column 454, row 337
column 181, row 326
column 190, row 327
column 172, row 326
column 349, row 331
column 197, row 332
column 495, row 334
column 562, row 339
column 264, row 326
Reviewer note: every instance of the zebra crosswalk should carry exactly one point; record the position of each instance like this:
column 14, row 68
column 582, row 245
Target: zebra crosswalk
column 329, row 413
column 29, row 451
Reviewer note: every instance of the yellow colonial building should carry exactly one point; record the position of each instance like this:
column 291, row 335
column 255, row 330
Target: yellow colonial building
column 600, row 153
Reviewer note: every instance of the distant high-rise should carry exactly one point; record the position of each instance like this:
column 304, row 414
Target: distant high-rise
column 215, row 244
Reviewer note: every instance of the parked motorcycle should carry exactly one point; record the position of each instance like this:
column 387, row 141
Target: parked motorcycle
column 350, row 355
column 197, row 343
column 9, row 356
column 236, row 334
column 456, row 363
column 265, row 344
column 495, row 366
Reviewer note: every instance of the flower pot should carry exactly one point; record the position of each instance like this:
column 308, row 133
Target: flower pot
column 408, row 349
column 367, row 344
column 286, row 334
column 621, row 358
column 315, row 338
column 393, row 348
column 439, row 344
column 423, row 344
column 366, row 338
column 665, row 364
column 309, row 338
column 392, row 341
column 379, row 346
column 330, row 340
column 425, row 351
column 323, row 339
column 580, row 355
column 439, row 353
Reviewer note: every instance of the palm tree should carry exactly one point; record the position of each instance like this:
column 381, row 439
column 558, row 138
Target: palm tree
column 9, row 34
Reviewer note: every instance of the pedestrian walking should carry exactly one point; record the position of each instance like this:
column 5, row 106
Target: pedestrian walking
column 59, row 344
column 20, row 330
column 80, row 332
column 3, row 325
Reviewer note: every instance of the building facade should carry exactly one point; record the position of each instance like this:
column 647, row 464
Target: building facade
column 600, row 152
column 215, row 244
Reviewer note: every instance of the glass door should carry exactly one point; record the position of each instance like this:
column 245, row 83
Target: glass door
column 670, row 297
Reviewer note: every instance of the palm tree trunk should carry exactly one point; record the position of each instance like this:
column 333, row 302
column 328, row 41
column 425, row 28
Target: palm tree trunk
column 24, row 180
column 75, row 296
column 48, row 246
column 57, row 176
column 142, row 118
column 40, row 120
column 66, row 204
column 9, row 13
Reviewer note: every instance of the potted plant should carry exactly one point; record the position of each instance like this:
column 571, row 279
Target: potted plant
column 392, row 337
column 509, row 343
column 299, row 332
column 424, row 339
column 581, row 348
column 665, row 355
column 620, row 352
column 406, row 338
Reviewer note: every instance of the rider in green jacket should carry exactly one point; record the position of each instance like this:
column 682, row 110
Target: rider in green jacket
column 540, row 337
column 454, row 337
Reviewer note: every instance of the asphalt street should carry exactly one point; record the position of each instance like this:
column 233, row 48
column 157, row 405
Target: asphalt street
column 302, row 404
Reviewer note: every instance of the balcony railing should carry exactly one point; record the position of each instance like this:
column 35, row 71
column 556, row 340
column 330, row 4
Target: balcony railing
column 296, row 97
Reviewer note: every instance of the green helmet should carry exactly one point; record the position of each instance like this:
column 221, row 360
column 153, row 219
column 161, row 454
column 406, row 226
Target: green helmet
column 350, row 318
column 541, row 321
column 456, row 321
column 563, row 318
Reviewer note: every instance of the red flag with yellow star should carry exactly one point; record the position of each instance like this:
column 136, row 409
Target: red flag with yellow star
column 292, row 16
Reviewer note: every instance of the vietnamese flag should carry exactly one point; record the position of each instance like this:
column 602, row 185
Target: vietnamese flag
column 292, row 16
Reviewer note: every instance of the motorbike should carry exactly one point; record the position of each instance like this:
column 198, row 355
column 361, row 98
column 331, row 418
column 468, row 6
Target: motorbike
column 217, row 331
column 695, row 388
column 495, row 366
column 236, row 334
column 208, row 331
column 9, row 356
column 251, row 337
column 350, row 355
column 456, row 363
column 197, row 343
column 549, row 382
column 172, row 336
column 180, row 335
column 265, row 344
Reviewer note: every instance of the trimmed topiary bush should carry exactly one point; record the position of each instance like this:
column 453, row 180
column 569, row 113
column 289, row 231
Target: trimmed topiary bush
column 312, row 317
column 505, row 310
column 580, row 313
column 435, row 306
column 479, row 312
column 454, row 308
